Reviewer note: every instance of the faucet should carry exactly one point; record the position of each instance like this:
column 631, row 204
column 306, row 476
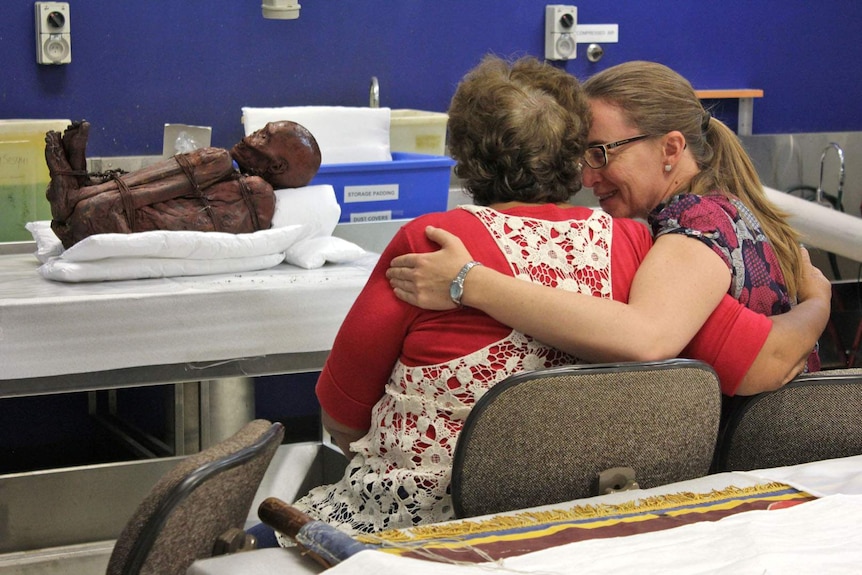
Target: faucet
column 374, row 93
column 819, row 197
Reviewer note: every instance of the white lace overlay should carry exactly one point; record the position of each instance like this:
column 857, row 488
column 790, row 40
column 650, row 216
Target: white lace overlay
column 401, row 472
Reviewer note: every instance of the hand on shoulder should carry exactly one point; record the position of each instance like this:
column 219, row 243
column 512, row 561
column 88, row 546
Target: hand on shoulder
column 423, row 279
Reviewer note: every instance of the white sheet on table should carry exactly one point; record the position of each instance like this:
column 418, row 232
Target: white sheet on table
column 822, row 536
column 820, row 478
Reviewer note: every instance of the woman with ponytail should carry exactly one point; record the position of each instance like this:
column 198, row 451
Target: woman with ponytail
column 654, row 153
column 657, row 101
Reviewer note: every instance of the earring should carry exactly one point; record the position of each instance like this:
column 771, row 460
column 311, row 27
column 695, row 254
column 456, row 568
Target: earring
column 667, row 167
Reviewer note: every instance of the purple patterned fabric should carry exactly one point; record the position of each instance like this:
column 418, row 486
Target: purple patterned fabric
column 732, row 232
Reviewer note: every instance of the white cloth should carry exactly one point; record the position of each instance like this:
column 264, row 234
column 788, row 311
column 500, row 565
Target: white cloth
column 312, row 253
column 820, row 478
column 112, row 269
column 345, row 134
column 315, row 208
column 260, row 562
column 183, row 244
column 161, row 254
column 819, row 537
column 48, row 245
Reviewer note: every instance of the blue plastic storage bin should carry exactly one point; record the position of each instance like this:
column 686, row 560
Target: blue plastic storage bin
column 408, row 186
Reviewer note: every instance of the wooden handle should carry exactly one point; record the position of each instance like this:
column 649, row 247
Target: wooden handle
column 288, row 520
column 281, row 516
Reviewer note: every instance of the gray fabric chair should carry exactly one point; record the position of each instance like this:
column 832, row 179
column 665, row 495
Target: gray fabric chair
column 814, row 417
column 205, row 496
column 546, row 436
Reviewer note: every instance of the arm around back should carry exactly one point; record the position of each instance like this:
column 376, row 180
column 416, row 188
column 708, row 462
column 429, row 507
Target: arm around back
column 794, row 334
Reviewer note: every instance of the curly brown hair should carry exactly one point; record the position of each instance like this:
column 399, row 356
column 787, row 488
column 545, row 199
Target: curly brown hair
column 518, row 132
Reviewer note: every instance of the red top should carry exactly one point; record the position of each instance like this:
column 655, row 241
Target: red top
column 380, row 328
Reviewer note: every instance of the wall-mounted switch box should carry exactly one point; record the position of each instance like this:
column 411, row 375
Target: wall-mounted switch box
column 561, row 23
column 53, row 36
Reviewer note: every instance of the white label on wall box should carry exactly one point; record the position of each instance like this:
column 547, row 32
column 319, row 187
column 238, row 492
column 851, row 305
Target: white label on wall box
column 373, row 193
column 597, row 33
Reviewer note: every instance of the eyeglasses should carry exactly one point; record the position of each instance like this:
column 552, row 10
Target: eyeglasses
column 596, row 155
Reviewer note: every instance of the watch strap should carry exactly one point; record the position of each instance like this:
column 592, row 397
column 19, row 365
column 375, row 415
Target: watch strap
column 456, row 290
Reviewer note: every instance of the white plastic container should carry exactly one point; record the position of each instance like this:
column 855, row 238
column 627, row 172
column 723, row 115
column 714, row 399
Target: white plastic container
column 418, row 132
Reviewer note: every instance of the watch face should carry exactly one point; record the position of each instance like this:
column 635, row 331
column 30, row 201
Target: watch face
column 455, row 291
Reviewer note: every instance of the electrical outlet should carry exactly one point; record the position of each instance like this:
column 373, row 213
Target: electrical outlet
column 53, row 33
column 561, row 23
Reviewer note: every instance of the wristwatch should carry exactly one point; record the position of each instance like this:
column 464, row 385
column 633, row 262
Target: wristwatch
column 456, row 288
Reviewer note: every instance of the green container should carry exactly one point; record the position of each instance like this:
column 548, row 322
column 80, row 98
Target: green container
column 23, row 175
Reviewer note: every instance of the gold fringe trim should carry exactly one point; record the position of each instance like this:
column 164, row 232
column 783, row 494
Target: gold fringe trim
column 461, row 528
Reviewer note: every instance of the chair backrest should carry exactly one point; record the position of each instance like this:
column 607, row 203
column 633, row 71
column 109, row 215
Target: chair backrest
column 544, row 437
column 814, row 417
column 204, row 496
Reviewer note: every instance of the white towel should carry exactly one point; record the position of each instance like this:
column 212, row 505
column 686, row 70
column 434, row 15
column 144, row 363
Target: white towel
column 315, row 207
column 345, row 135
column 182, row 244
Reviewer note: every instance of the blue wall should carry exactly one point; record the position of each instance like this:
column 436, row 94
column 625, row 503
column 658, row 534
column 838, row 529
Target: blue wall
column 139, row 64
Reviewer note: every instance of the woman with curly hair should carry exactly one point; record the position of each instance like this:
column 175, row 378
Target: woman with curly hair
column 400, row 380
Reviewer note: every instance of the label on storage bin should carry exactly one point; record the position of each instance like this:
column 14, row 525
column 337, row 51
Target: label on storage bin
column 363, row 217
column 372, row 193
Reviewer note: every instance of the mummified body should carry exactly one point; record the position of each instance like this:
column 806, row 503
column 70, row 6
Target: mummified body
column 210, row 189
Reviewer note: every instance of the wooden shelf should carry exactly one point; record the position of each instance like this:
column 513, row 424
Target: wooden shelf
column 728, row 94
column 746, row 104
